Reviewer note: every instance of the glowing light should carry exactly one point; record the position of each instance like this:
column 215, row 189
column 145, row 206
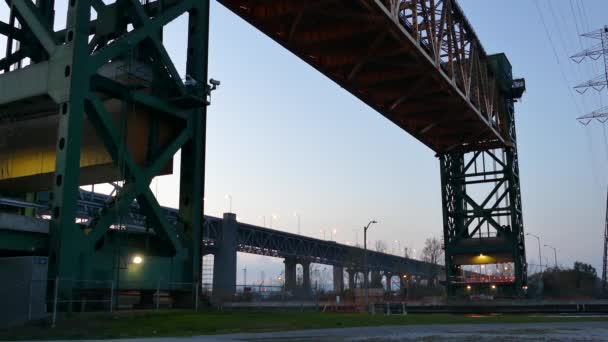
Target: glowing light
column 493, row 287
column 405, row 276
column 137, row 260
column 468, row 287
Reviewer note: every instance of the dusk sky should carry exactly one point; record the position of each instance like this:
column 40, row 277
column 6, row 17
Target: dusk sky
column 282, row 138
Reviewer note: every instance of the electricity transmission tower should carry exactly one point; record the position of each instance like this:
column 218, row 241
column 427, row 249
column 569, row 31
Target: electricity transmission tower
column 605, row 264
column 600, row 50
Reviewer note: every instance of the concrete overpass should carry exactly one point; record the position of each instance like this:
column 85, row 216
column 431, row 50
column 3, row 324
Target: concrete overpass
column 223, row 238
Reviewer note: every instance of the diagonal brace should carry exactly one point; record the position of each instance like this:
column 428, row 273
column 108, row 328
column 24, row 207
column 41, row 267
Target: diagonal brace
column 28, row 12
column 137, row 180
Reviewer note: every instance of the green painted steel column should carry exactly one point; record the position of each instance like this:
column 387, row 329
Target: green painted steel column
column 191, row 204
column 66, row 238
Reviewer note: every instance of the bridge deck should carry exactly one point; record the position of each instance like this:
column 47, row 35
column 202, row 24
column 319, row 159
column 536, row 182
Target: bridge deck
column 419, row 64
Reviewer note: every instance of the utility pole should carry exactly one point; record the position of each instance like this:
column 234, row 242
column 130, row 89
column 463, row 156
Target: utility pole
column 598, row 83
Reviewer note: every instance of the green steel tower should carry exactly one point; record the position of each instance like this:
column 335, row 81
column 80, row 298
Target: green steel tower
column 102, row 101
column 482, row 211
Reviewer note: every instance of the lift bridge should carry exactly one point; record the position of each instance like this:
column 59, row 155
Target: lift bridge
column 101, row 101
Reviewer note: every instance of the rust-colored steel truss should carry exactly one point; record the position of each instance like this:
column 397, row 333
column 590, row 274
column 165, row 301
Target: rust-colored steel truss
column 417, row 62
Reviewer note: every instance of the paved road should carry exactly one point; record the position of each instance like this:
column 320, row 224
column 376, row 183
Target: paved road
column 584, row 331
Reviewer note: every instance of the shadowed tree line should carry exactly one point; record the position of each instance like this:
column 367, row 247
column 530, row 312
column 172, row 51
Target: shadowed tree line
column 580, row 281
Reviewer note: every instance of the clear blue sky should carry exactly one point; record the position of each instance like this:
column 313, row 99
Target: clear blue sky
column 282, row 138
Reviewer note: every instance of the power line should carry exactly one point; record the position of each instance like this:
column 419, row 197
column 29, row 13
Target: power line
column 563, row 40
column 565, row 79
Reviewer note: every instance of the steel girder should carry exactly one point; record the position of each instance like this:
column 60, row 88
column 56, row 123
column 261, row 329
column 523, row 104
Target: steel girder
column 74, row 57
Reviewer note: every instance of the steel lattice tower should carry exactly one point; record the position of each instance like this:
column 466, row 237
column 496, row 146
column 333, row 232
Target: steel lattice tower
column 598, row 83
column 605, row 254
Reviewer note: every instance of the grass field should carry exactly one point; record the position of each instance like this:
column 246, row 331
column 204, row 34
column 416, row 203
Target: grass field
column 186, row 323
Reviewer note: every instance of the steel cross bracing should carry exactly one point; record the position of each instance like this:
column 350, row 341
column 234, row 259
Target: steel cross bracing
column 483, row 221
column 65, row 74
column 596, row 52
column 417, row 62
column 599, row 82
column 252, row 239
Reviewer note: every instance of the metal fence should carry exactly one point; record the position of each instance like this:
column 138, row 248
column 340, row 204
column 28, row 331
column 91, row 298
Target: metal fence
column 51, row 298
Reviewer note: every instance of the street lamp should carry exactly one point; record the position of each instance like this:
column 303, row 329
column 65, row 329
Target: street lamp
column 272, row 218
column 407, row 288
column 331, row 234
column 540, row 258
column 137, row 259
column 366, row 275
column 554, row 254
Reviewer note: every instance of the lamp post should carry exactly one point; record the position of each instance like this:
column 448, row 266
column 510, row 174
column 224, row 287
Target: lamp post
column 366, row 275
column 407, row 288
column 272, row 218
column 554, row 254
column 540, row 261
column 540, row 258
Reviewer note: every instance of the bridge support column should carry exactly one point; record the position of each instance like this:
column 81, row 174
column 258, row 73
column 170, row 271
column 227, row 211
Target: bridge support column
column 339, row 279
column 389, row 276
column 376, row 280
column 306, row 276
column 290, row 274
column 404, row 284
column 351, row 278
column 224, row 262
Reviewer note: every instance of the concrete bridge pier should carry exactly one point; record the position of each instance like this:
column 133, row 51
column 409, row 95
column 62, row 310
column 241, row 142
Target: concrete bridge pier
column 306, row 277
column 351, row 278
column 224, row 262
column 389, row 277
column 290, row 273
column 338, row 279
column 376, row 281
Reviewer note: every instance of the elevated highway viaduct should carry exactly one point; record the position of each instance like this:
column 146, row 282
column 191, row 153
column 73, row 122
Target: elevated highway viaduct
column 223, row 238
